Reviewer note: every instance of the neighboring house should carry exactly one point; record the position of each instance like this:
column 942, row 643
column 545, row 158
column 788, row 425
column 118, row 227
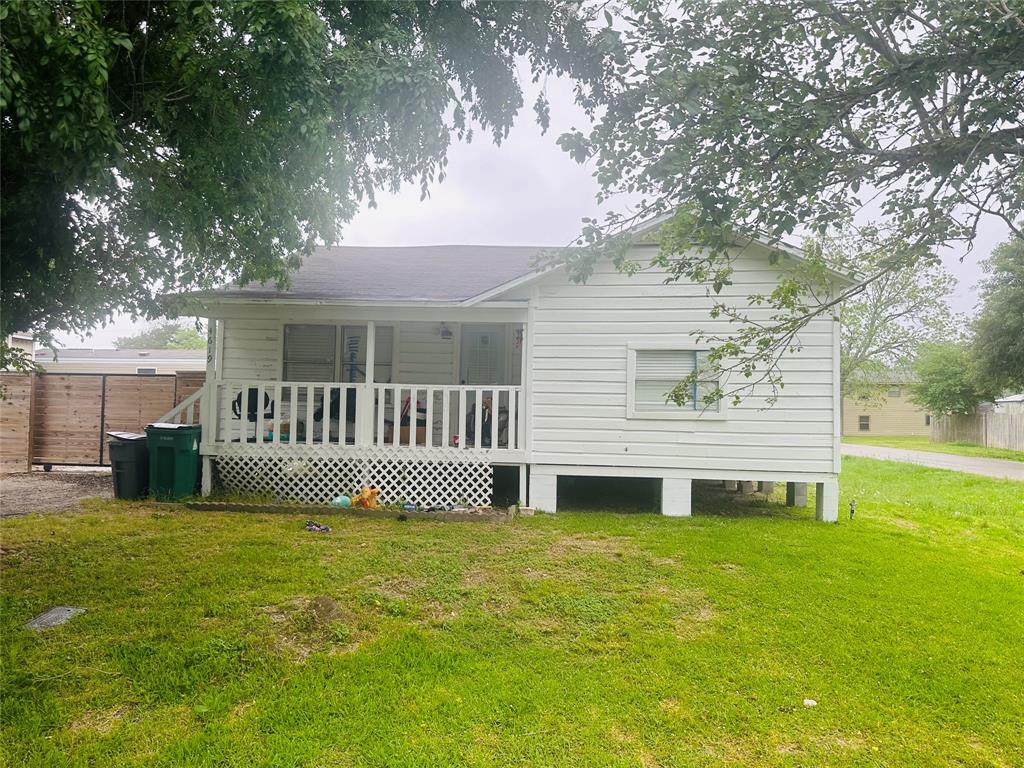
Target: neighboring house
column 422, row 370
column 140, row 361
column 890, row 413
column 1010, row 404
column 22, row 341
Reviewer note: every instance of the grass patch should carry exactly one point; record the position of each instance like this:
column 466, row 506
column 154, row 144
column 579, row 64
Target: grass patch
column 581, row 639
column 924, row 444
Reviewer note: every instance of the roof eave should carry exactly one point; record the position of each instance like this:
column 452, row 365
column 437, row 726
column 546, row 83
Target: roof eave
column 782, row 246
column 509, row 285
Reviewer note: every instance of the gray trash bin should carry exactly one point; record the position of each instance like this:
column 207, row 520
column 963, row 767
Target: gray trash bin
column 129, row 464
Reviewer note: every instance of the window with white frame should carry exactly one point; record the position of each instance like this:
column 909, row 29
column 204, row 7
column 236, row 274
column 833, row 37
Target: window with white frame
column 146, row 371
column 323, row 352
column 309, row 353
column 656, row 372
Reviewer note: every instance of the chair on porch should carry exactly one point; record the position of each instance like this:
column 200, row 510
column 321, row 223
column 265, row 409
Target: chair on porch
column 486, row 409
column 334, row 413
column 252, row 408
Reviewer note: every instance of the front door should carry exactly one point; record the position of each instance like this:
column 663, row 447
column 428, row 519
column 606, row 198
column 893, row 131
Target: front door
column 482, row 356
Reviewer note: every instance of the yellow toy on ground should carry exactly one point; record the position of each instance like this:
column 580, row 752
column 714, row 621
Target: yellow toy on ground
column 367, row 498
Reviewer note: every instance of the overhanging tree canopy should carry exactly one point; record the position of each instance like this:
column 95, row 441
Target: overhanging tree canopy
column 797, row 116
column 998, row 341
column 161, row 146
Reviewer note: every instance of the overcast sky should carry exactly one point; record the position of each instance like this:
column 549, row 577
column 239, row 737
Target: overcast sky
column 525, row 192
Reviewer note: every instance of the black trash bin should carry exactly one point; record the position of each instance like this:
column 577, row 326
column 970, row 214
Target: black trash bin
column 129, row 464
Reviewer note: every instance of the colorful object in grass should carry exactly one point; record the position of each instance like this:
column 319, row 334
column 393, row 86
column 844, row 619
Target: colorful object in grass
column 409, row 506
column 367, row 497
column 341, row 501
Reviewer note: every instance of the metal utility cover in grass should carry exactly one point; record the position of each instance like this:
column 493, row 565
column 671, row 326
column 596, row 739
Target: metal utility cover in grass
column 54, row 616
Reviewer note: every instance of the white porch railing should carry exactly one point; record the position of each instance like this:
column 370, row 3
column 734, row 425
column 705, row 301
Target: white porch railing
column 471, row 418
column 185, row 412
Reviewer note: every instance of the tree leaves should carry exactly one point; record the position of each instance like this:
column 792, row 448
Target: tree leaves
column 154, row 147
column 998, row 331
column 778, row 119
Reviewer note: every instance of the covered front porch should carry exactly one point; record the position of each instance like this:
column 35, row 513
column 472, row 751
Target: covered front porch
column 333, row 413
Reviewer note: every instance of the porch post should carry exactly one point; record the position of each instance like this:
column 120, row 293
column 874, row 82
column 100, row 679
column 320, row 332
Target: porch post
column 523, row 418
column 365, row 414
column 208, row 401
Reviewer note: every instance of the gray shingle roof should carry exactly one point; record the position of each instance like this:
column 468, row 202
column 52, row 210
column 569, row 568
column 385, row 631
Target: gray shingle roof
column 444, row 273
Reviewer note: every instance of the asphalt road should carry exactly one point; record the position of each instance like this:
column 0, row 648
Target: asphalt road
column 1001, row 468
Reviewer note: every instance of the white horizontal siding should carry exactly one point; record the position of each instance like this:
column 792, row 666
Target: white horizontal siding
column 578, row 388
column 252, row 349
column 423, row 356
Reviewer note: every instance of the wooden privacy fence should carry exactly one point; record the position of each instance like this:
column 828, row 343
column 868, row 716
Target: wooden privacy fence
column 15, row 423
column 993, row 430
column 63, row 418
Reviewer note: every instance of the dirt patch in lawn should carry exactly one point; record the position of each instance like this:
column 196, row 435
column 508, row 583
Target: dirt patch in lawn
column 100, row 722
column 57, row 491
column 693, row 611
column 305, row 625
column 394, row 587
column 573, row 545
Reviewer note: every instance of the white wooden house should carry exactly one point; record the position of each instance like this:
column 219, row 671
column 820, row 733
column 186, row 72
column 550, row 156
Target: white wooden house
column 420, row 369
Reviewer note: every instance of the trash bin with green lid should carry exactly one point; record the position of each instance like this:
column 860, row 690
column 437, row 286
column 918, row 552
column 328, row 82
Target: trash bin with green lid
column 173, row 459
column 129, row 464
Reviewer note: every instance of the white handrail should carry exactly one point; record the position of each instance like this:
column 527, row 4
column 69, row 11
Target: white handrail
column 467, row 417
column 190, row 405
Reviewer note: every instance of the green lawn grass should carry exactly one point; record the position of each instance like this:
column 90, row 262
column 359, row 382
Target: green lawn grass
column 581, row 639
column 924, row 444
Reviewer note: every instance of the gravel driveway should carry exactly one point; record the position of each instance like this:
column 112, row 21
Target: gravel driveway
column 54, row 491
column 1001, row 468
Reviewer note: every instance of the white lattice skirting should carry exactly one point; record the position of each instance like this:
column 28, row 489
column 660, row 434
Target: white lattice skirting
column 440, row 477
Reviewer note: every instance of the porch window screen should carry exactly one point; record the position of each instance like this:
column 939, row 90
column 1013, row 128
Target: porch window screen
column 658, row 371
column 309, row 352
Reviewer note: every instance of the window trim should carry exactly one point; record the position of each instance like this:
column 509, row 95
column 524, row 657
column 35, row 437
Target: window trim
column 338, row 325
column 671, row 412
column 864, row 422
column 284, row 349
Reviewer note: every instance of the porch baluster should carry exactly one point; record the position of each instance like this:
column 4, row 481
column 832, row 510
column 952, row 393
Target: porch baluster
column 495, row 410
column 510, row 439
column 478, row 422
column 430, row 417
column 244, row 413
column 446, row 416
column 275, row 419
